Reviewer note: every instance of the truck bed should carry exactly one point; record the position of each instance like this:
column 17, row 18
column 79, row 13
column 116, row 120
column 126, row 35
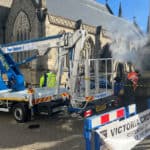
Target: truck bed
column 24, row 95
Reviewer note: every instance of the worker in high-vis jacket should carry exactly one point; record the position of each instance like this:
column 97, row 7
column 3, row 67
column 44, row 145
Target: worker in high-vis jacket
column 51, row 80
column 48, row 79
column 43, row 80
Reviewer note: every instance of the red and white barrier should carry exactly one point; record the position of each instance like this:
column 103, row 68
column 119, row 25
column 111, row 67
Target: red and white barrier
column 107, row 117
column 98, row 122
column 125, row 134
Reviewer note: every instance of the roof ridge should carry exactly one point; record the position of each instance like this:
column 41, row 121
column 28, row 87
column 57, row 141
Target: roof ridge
column 91, row 12
column 96, row 4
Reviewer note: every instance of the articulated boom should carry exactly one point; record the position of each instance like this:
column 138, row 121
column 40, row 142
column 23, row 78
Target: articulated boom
column 10, row 77
column 88, row 84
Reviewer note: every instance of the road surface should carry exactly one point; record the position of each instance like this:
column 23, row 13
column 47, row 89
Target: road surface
column 61, row 133
column 57, row 133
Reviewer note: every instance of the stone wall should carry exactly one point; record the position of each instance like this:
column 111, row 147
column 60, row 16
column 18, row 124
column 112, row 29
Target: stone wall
column 4, row 10
column 53, row 25
column 28, row 7
column 1, row 35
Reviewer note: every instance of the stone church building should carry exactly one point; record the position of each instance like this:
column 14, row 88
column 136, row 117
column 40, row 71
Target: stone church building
column 27, row 19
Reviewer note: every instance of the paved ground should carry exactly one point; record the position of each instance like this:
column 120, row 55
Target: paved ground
column 144, row 145
column 63, row 133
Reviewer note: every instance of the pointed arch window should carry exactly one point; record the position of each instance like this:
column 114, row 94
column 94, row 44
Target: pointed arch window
column 21, row 31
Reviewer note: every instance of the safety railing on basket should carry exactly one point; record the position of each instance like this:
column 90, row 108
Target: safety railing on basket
column 94, row 77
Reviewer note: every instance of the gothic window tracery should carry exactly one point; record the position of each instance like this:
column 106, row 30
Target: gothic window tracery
column 88, row 49
column 86, row 53
column 21, row 31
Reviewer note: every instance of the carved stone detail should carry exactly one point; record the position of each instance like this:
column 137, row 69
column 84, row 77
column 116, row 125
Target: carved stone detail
column 29, row 9
column 61, row 21
column 88, row 49
column 68, row 23
column 21, row 31
column 21, row 25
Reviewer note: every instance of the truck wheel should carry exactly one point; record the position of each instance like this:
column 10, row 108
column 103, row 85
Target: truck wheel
column 20, row 112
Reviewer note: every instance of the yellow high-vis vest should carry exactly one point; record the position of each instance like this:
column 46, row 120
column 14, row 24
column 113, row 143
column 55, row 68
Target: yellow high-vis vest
column 48, row 80
column 51, row 80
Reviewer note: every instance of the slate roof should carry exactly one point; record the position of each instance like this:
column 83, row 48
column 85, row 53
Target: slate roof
column 91, row 13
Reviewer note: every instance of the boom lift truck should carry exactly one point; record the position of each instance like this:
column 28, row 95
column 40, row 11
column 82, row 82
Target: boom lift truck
column 86, row 91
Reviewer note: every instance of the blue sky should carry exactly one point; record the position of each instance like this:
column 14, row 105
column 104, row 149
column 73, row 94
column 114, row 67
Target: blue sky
column 130, row 8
